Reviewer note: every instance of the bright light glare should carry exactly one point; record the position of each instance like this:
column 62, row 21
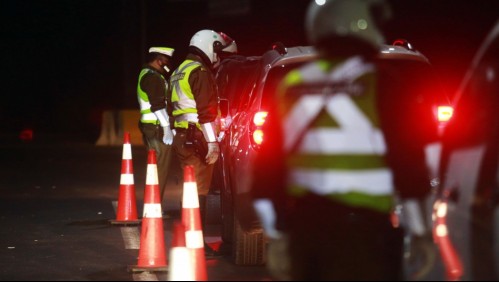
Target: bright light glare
column 441, row 230
column 259, row 118
column 320, row 2
column 442, row 210
column 258, row 136
column 445, row 113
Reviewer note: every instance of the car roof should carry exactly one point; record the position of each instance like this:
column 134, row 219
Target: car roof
column 297, row 54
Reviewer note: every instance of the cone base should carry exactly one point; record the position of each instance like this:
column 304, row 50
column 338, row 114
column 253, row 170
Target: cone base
column 136, row 268
column 125, row 222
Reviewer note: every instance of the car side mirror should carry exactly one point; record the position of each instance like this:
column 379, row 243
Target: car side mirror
column 223, row 104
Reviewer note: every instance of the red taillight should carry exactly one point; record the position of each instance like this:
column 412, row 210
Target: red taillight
column 259, row 118
column 444, row 113
column 258, row 136
column 256, row 128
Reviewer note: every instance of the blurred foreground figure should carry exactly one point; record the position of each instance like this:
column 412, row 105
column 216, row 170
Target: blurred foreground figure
column 338, row 153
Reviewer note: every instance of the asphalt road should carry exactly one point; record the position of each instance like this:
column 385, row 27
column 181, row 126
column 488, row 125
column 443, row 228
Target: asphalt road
column 56, row 201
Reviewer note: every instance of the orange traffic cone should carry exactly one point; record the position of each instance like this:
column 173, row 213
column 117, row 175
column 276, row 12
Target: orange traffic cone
column 191, row 218
column 181, row 268
column 152, row 255
column 127, row 208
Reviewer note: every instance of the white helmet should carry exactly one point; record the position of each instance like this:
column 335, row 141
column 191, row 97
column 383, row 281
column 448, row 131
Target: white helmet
column 346, row 18
column 209, row 42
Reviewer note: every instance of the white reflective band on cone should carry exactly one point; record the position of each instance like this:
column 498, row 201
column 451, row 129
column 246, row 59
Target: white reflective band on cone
column 194, row 239
column 127, row 152
column 323, row 182
column 209, row 132
column 190, row 198
column 152, row 174
column 152, row 211
column 181, row 265
column 126, row 179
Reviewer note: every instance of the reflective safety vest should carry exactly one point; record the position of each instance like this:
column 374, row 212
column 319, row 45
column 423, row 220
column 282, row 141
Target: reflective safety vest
column 184, row 105
column 147, row 116
column 333, row 143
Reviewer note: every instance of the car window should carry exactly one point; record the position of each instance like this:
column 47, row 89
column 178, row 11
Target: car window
column 235, row 80
column 476, row 110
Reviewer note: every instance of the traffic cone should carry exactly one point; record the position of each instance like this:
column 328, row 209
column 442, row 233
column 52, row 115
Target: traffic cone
column 191, row 218
column 127, row 208
column 152, row 255
column 181, row 268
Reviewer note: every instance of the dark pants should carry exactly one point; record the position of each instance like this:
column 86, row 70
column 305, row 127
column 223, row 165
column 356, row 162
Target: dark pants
column 330, row 241
column 203, row 171
column 187, row 156
column 152, row 136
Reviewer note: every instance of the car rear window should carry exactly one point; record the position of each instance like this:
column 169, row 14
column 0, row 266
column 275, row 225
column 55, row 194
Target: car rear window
column 274, row 77
column 235, row 80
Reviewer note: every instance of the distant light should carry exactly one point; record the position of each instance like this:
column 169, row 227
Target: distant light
column 362, row 24
column 26, row 135
column 441, row 230
column 442, row 210
column 320, row 2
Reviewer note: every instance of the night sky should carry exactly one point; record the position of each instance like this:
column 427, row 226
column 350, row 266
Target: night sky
column 64, row 62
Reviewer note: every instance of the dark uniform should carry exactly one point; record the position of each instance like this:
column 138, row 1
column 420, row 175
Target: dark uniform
column 152, row 90
column 193, row 99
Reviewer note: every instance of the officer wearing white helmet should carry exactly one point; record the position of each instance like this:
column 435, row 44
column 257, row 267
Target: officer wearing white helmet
column 194, row 107
column 337, row 154
column 154, row 122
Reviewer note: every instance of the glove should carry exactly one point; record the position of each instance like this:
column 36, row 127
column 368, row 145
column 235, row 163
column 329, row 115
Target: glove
column 168, row 135
column 163, row 120
column 213, row 151
column 265, row 211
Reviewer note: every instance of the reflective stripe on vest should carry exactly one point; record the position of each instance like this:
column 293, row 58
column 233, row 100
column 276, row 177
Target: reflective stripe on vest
column 145, row 106
column 332, row 139
column 184, row 105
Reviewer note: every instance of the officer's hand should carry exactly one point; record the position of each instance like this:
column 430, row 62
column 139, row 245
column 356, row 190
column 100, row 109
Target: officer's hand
column 167, row 135
column 213, row 151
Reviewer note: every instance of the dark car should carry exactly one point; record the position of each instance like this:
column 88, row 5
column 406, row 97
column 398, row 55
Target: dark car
column 466, row 213
column 248, row 83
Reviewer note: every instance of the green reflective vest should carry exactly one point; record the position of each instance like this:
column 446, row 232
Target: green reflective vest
column 333, row 143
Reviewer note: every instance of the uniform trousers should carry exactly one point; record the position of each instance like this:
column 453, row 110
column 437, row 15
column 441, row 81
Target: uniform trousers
column 203, row 171
column 152, row 135
column 332, row 241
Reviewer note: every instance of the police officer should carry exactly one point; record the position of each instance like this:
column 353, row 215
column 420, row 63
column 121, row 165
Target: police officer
column 194, row 100
column 154, row 122
column 332, row 164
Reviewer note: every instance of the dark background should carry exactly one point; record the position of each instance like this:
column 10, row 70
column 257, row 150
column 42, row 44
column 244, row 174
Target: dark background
column 64, row 62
